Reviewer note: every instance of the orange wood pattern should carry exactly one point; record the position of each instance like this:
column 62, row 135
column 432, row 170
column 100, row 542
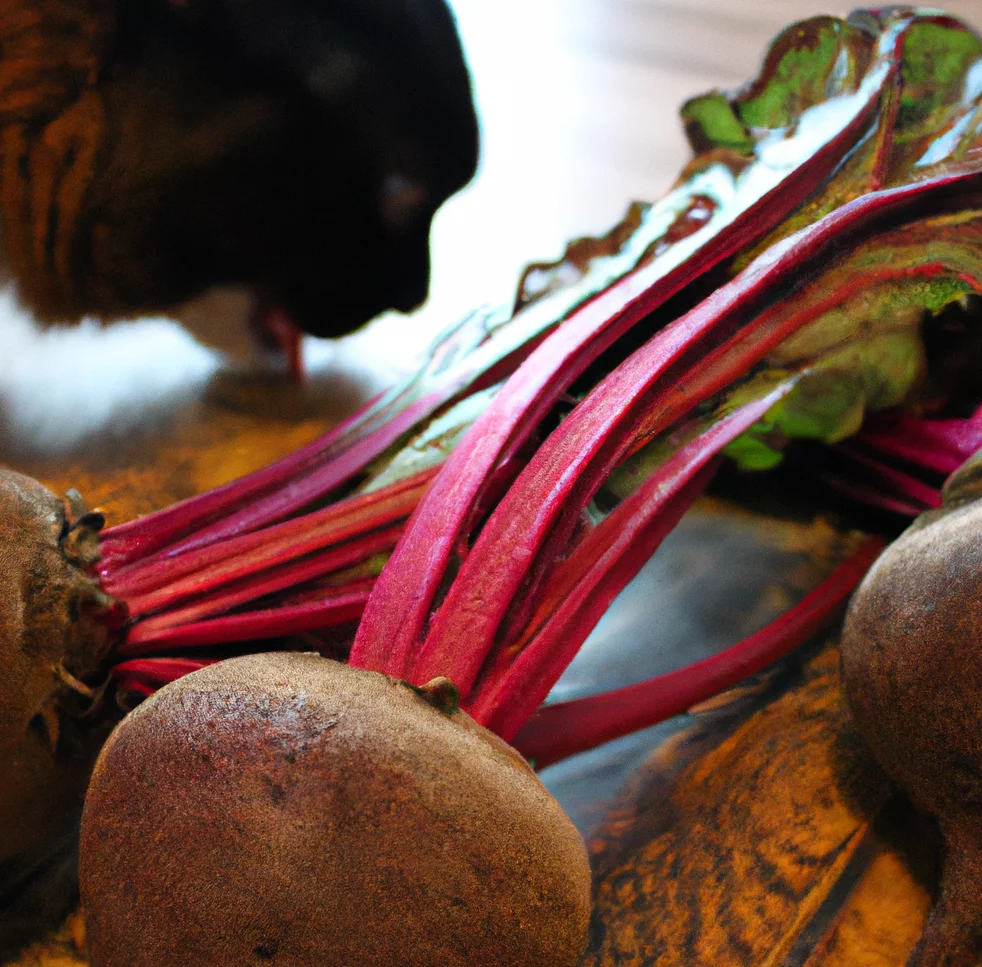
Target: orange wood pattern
column 734, row 858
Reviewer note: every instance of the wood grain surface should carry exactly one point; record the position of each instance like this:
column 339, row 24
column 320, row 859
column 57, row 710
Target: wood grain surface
column 754, row 832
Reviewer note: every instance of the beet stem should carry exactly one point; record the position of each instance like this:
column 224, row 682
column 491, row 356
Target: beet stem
column 609, row 557
column 939, row 445
column 146, row 675
column 871, row 495
column 892, row 480
column 397, row 613
column 168, row 580
column 332, row 609
column 557, row 731
column 268, row 582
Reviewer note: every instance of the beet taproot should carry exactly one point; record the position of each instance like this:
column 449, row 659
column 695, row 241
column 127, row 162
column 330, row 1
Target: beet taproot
column 52, row 641
column 288, row 808
column 912, row 668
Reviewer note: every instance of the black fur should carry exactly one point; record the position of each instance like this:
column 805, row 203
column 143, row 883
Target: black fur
column 299, row 146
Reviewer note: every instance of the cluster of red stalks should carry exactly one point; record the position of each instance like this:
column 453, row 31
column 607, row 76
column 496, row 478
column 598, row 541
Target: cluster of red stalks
column 303, row 575
column 495, row 571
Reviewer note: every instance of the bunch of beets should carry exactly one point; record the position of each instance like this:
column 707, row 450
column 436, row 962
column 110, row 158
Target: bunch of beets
column 374, row 623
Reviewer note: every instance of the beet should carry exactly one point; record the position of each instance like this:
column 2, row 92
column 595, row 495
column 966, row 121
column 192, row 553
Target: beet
column 912, row 665
column 289, row 808
column 52, row 642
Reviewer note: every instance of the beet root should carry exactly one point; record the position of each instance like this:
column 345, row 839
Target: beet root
column 912, row 668
column 51, row 643
column 288, row 808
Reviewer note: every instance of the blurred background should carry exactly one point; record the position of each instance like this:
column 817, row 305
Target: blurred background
column 578, row 102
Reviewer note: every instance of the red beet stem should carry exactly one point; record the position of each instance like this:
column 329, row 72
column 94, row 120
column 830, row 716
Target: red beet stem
column 333, row 608
column 935, row 446
column 249, row 514
column 146, row 534
column 566, row 728
column 598, row 570
column 145, row 675
column 269, row 582
column 679, row 367
column 892, row 481
column 450, row 367
column 939, row 445
column 707, row 377
column 871, row 495
column 160, row 585
column 397, row 613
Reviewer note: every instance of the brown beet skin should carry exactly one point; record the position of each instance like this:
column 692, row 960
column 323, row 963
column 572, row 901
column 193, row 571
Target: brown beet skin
column 288, row 809
column 48, row 637
column 912, row 666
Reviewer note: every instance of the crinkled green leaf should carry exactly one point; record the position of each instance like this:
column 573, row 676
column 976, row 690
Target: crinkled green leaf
column 864, row 353
column 936, row 59
column 712, row 122
column 867, row 352
column 807, row 64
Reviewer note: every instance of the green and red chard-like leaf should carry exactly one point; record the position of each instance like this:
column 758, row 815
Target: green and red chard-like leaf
column 775, row 182
column 791, row 287
column 398, row 626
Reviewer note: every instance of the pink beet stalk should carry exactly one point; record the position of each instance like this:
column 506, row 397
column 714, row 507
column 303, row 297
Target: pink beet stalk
column 939, row 445
column 269, row 582
column 563, row 729
column 145, row 675
column 590, row 579
column 698, row 355
column 161, row 585
column 340, row 607
column 892, row 455
column 891, row 480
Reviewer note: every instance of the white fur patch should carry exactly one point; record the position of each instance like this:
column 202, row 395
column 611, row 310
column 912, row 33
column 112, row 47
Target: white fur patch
column 62, row 384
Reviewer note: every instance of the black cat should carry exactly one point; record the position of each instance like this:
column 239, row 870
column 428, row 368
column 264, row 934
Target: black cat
column 154, row 149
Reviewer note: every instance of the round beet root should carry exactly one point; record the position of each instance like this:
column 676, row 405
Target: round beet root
column 912, row 665
column 289, row 809
column 50, row 644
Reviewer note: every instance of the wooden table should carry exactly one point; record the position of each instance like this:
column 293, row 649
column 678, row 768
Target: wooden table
column 756, row 832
